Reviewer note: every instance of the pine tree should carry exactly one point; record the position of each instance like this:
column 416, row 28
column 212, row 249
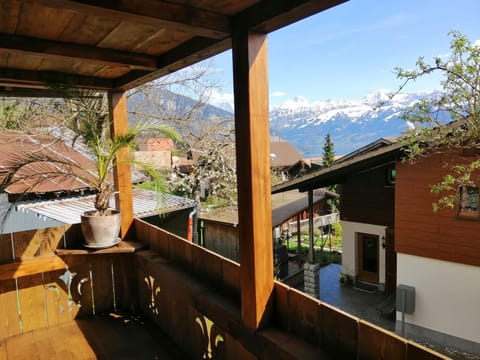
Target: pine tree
column 328, row 160
column 328, row 152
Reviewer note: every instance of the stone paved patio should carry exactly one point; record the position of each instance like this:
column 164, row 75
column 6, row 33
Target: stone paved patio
column 361, row 304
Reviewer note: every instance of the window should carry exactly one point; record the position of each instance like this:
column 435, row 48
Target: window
column 391, row 175
column 468, row 202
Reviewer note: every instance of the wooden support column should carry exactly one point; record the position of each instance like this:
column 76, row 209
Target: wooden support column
column 253, row 174
column 117, row 102
column 311, row 250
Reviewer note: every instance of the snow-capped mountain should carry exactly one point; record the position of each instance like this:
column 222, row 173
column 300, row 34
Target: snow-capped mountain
column 351, row 123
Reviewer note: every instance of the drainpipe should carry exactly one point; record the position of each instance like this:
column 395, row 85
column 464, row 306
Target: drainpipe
column 192, row 225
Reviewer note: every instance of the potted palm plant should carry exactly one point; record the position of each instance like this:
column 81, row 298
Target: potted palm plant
column 87, row 117
column 90, row 122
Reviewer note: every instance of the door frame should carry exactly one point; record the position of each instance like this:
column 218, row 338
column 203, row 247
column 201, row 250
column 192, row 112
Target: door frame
column 366, row 276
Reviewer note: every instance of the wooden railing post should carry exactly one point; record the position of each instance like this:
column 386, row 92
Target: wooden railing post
column 117, row 102
column 253, row 174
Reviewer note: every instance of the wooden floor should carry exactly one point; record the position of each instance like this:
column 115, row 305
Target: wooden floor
column 112, row 336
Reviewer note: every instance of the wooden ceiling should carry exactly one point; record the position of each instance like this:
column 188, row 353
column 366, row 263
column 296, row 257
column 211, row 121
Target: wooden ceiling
column 117, row 45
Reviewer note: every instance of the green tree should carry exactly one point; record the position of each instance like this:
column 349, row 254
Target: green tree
column 328, row 160
column 328, row 152
column 459, row 100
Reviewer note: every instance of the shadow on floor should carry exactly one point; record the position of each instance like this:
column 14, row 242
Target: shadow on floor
column 359, row 303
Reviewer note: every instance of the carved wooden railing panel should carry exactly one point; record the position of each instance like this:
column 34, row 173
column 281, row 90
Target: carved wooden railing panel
column 42, row 284
column 192, row 294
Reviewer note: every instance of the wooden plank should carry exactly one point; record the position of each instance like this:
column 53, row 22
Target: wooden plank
column 3, row 350
column 268, row 16
column 9, row 318
column 26, row 244
column 234, row 350
column 339, row 332
column 50, row 239
column 207, row 265
column 231, row 278
column 21, row 347
column 125, row 282
column 89, row 30
column 80, row 265
column 141, row 231
column 31, row 267
column 122, row 176
column 159, row 240
column 6, row 254
column 59, row 309
column 180, row 251
column 376, row 343
column 102, row 284
column 158, row 14
column 60, row 51
column 31, row 297
column 253, row 174
column 9, row 12
column 282, row 317
column 418, row 352
column 304, row 316
column 123, row 247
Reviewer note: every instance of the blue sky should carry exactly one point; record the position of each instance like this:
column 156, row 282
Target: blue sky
column 352, row 49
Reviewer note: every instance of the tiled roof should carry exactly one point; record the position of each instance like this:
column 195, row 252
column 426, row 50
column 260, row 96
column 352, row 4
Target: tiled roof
column 283, row 154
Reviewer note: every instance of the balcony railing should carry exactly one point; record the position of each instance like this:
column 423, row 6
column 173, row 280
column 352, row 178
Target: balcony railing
column 192, row 294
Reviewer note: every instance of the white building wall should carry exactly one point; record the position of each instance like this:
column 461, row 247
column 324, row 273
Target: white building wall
column 447, row 295
column 349, row 251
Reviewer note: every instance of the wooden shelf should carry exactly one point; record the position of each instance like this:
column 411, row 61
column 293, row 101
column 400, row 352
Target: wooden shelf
column 28, row 267
column 121, row 248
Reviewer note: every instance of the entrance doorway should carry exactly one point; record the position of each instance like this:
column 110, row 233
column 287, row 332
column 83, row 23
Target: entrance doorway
column 368, row 255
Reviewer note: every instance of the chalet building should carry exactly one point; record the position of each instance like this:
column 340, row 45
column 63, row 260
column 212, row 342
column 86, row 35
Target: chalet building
column 219, row 228
column 156, row 151
column 391, row 236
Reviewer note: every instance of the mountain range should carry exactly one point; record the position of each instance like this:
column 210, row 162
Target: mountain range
column 350, row 123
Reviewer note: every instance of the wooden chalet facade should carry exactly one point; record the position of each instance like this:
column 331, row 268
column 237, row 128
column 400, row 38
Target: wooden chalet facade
column 389, row 226
column 212, row 307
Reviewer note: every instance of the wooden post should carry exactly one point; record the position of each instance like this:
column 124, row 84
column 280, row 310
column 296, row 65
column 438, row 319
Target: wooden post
column 253, row 174
column 311, row 250
column 122, row 177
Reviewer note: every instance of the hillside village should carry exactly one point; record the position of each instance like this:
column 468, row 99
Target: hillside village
column 225, row 242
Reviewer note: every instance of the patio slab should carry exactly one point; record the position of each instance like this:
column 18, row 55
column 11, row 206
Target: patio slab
column 358, row 303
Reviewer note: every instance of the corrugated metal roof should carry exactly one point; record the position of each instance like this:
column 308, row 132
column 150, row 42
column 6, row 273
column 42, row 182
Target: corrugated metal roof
column 284, row 206
column 68, row 210
column 42, row 164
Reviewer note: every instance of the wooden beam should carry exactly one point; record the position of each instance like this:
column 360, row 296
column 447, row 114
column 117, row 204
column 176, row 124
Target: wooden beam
column 122, row 176
column 270, row 15
column 253, row 175
column 161, row 14
column 311, row 249
column 182, row 56
column 21, row 45
column 31, row 267
column 18, row 78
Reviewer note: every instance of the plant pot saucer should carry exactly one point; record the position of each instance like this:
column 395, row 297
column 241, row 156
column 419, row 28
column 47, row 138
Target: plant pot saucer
column 102, row 246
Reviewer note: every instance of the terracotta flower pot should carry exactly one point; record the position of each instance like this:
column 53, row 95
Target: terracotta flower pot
column 101, row 231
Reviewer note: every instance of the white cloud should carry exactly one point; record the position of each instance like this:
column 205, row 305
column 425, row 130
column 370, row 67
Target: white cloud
column 221, row 100
column 278, row 94
column 477, row 43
